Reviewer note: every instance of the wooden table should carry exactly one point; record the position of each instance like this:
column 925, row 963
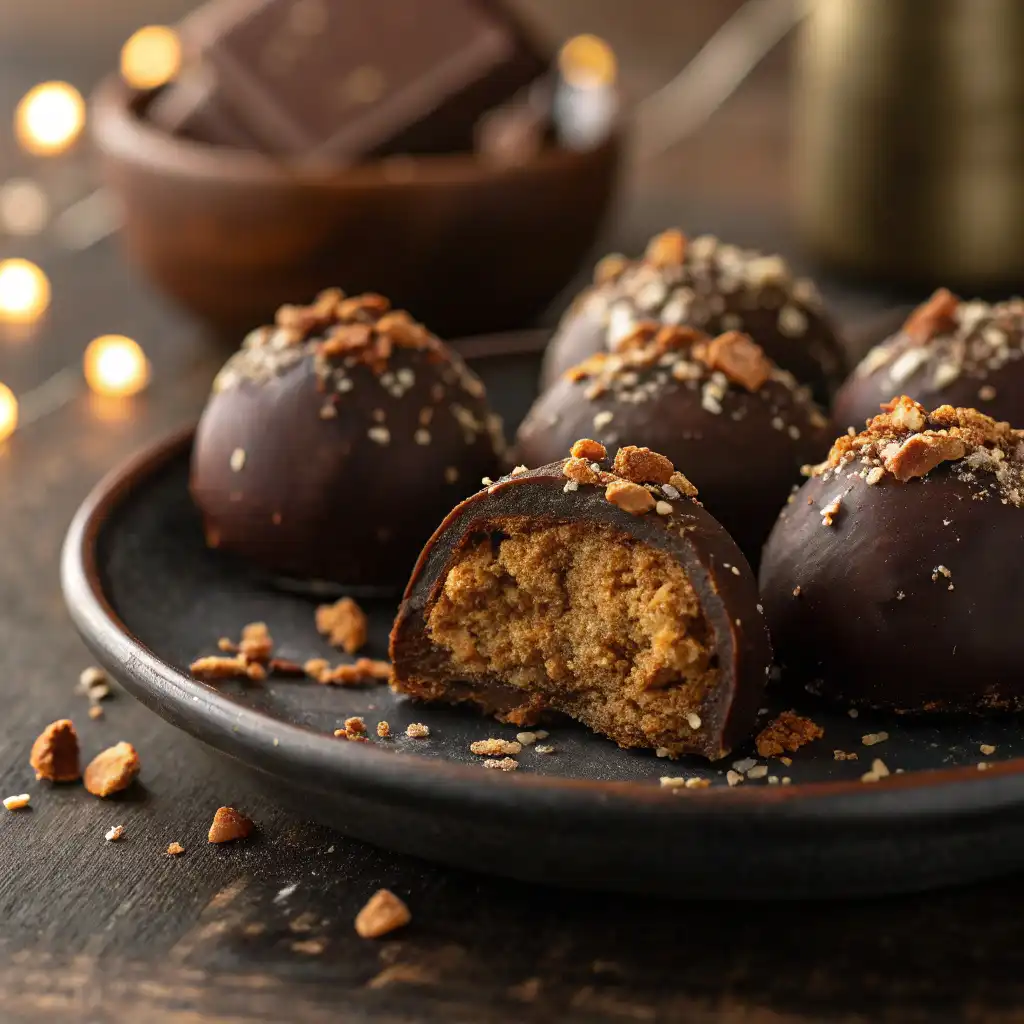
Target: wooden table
column 262, row 931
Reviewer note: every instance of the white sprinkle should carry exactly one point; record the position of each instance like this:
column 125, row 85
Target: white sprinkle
column 114, row 834
column 745, row 765
column 875, row 475
column 853, row 712
column 518, row 470
column 662, row 752
column 670, row 491
column 287, row 891
column 379, row 435
column 237, row 460
column 735, row 570
column 602, row 419
column 900, row 595
column 792, row 322
column 544, row 748
column 794, row 431
column 759, row 771
column 570, row 486
column 345, row 384
column 421, row 436
column 733, row 778
column 486, row 481
column 663, row 508
column 16, row 803
column 987, row 748
column 693, row 720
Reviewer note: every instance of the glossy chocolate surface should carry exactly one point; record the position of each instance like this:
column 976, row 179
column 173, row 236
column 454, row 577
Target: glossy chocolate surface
column 716, row 569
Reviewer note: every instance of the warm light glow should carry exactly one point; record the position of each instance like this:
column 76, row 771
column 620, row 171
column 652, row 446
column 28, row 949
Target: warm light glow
column 151, row 57
column 8, row 412
column 24, row 208
column 587, row 62
column 116, row 366
column 24, row 291
column 49, row 118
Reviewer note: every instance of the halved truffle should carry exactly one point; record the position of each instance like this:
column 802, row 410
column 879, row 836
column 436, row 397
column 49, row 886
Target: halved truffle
column 610, row 596
column 707, row 284
column 949, row 352
column 334, row 441
column 741, row 427
column 892, row 578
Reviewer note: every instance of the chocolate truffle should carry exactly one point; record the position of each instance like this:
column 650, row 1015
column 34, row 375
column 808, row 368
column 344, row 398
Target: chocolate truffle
column 740, row 426
column 948, row 352
column 336, row 440
column 707, row 284
column 611, row 596
column 891, row 579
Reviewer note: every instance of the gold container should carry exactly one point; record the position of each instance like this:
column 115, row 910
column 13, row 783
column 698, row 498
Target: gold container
column 909, row 160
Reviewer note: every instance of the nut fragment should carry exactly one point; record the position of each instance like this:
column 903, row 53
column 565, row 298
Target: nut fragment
column 17, row 803
column 921, row 453
column 218, row 667
column 175, row 849
column 228, row 825
column 343, row 623
column 112, row 770
column 682, row 484
column 54, row 754
column 585, row 448
column 936, row 316
column 789, row 731
column 383, row 913
column 739, row 358
column 495, row 747
column 642, row 466
column 629, row 497
column 360, row 671
column 579, row 471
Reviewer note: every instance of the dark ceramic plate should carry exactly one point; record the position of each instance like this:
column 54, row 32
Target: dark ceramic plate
column 148, row 598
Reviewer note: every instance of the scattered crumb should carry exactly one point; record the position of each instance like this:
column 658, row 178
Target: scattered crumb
column 870, row 739
column 526, row 991
column 759, row 771
column 112, row 770
column 343, row 623
column 417, row 731
column 95, row 711
column 983, row 766
column 844, row 755
column 114, row 834
column 229, row 825
column 662, row 752
column 358, row 672
column 495, row 747
column 987, row 748
column 218, row 667
column 309, row 947
column 256, row 644
column 353, row 729
column 383, row 730
column 745, row 765
column 853, row 712
column 17, row 803
column 585, row 448
column 526, row 738
column 693, row 720
column 733, row 777
column 506, row 764
column 286, row 667
column 175, row 850
column 879, row 770
column 54, row 754
column 787, row 761
column 94, row 683
column 544, row 748
column 383, row 913
column 789, row 731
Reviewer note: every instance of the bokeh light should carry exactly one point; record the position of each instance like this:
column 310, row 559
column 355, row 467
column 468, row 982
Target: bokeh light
column 116, row 366
column 587, row 62
column 49, row 118
column 151, row 57
column 24, row 291
column 24, row 208
column 8, row 412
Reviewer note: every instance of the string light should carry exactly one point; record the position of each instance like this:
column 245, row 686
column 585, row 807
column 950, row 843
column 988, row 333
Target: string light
column 49, row 118
column 8, row 412
column 24, row 291
column 151, row 57
column 116, row 366
column 587, row 62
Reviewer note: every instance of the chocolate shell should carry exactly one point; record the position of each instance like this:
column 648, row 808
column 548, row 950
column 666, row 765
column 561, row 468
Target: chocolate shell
column 714, row 287
column 334, row 441
column 740, row 426
column 545, row 593
column 949, row 352
column 891, row 580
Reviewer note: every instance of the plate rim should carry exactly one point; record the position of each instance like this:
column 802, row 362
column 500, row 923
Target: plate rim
column 255, row 737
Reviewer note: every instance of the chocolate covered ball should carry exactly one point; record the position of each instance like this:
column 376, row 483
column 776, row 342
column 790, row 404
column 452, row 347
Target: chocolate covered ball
column 335, row 441
column 707, row 284
column 892, row 579
column 598, row 589
column 741, row 426
column 949, row 352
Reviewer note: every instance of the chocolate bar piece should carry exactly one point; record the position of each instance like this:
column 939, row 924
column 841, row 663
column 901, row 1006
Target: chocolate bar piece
column 347, row 79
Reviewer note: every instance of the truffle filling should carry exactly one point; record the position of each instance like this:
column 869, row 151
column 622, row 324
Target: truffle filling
column 598, row 624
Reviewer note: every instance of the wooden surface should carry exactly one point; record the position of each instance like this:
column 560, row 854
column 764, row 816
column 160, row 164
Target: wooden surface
column 262, row 931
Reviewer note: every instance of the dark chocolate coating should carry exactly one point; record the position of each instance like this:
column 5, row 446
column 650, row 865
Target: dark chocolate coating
column 318, row 499
column 744, row 469
column 715, row 567
column 812, row 354
column 977, row 365
column 948, row 644
column 342, row 81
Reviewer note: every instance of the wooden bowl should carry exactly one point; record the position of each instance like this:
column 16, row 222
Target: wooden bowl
column 231, row 235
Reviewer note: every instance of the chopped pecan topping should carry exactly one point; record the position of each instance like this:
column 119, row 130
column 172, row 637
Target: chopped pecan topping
column 585, row 448
column 630, row 497
column 362, row 305
column 934, row 317
column 667, row 249
column 682, row 485
column 921, row 453
column 735, row 355
column 54, row 754
column 642, row 466
column 343, row 623
column 579, row 471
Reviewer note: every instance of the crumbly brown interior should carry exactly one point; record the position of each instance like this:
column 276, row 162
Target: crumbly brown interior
column 601, row 626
